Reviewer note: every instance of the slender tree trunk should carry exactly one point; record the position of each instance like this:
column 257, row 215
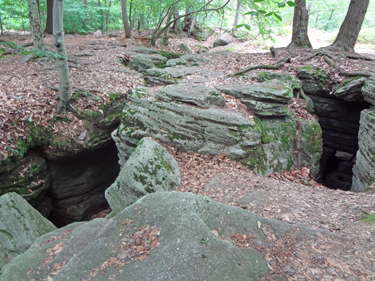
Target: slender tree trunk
column 84, row 2
column 351, row 25
column 62, row 62
column 36, row 30
column 130, row 15
column 49, row 23
column 300, row 25
column 166, row 32
column 125, row 19
column 1, row 26
column 177, row 24
column 238, row 18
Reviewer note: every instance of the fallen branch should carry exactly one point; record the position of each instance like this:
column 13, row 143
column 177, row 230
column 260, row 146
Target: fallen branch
column 278, row 65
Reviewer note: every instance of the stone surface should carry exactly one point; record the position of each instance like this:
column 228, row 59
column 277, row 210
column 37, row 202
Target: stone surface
column 199, row 95
column 141, row 62
column 287, row 78
column 20, row 225
column 168, row 75
column 150, row 168
column 221, row 42
column 97, row 33
column 369, row 90
column 351, row 90
column 270, row 98
column 265, row 145
column 187, row 226
column 314, row 80
column 144, row 50
column 204, row 130
column 364, row 169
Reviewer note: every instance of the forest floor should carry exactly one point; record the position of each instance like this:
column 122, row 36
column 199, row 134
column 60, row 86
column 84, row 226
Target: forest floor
column 27, row 97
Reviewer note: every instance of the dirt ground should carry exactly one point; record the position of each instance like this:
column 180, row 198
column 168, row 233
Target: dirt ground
column 346, row 252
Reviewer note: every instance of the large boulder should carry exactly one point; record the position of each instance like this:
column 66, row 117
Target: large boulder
column 221, row 42
column 187, row 126
column 368, row 90
column 20, row 225
column 364, row 169
column 150, row 168
column 270, row 98
column 172, row 232
column 193, row 118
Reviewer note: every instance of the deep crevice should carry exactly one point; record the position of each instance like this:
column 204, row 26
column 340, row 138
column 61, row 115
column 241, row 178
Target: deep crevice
column 339, row 121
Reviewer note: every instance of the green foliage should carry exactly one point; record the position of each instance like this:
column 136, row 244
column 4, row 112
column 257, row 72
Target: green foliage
column 369, row 218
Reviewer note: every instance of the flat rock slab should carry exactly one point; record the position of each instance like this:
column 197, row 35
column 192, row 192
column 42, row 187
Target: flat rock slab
column 211, row 130
column 270, row 91
column 270, row 98
column 199, row 95
column 163, row 236
column 351, row 90
column 150, row 168
column 20, row 225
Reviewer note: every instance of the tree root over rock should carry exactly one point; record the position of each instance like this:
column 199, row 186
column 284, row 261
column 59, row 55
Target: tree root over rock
column 278, row 65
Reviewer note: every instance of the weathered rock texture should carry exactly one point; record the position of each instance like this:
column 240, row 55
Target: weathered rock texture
column 270, row 98
column 150, row 168
column 339, row 118
column 192, row 118
column 182, row 237
column 66, row 182
column 364, row 169
column 20, row 225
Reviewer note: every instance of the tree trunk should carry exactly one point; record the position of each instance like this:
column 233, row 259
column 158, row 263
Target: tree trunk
column 238, row 18
column 130, row 15
column 36, row 30
column 62, row 62
column 125, row 19
column 49, row 23
column 84, row 2
column 166, row 32
column 177, row 24
column 300, row 24
column 351, row 25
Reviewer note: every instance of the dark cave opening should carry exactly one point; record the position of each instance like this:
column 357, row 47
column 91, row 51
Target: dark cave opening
column 78, row 185
column 339, row 121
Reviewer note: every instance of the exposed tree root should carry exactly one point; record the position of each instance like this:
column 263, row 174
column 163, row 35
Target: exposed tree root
column 278, row 65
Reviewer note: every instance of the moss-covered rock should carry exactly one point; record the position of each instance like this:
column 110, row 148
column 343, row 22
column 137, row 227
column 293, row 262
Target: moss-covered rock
column 351, row 89
column 313, row 80
column 150, row 168
column 287, row 78
column 20, row 225
column 199, row 95
column 192, row 128
column 270, row 98
column 28, row 177
column 368, row 90
column 364, row 169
